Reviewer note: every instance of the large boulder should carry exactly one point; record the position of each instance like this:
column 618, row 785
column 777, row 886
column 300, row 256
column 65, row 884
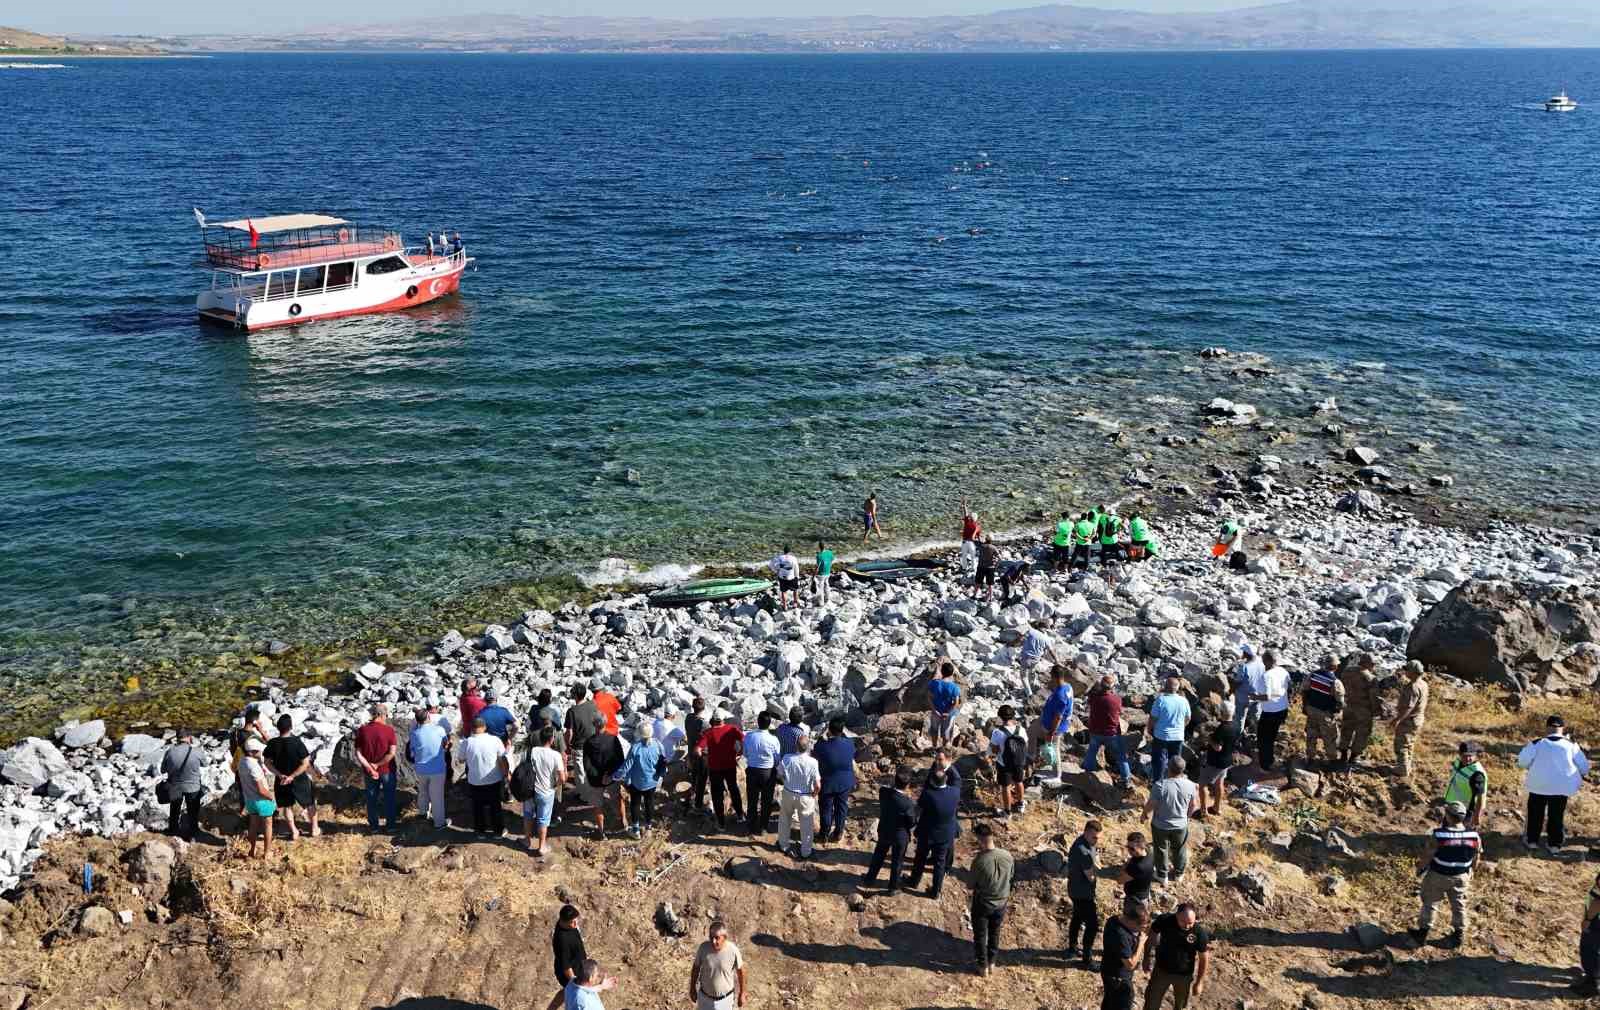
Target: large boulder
column 151, row 863
column 83, row 734
column 1517, row 636
column 32, row 763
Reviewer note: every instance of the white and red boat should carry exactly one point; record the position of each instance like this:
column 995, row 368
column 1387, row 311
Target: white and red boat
column 296, row 268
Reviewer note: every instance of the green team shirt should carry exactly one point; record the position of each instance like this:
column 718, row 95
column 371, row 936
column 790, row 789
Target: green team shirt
column 824, row 563
column 1063, row 533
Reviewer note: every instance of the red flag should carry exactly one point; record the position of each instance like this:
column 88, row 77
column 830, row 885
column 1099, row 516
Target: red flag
column 255, row 236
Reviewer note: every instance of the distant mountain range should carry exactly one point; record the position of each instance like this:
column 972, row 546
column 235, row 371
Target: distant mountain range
column 1297, row 24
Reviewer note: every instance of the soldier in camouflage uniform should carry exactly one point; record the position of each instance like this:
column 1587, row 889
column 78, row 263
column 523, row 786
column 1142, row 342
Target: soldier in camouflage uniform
column 1360, row 707
column 1323, row 698
column 1413, row 709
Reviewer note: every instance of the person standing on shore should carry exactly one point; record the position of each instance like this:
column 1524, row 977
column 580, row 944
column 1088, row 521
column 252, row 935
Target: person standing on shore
column 971, row 533
column 1360, row 708
column 487, row 768
column 1169, row 724
column 375, row 749
column 716, row 982
column 1061, row 544
column 786, row 569
column 566, row 942
column 471, row 703
column 944, row 698
column 988, row 562
column 935, row 831
column 1270, row 690
column 641, row 772
column 897, row 815
column 836, row 757
column 1083, row 536
column 1083, row 868
column 992, row 873
column 497, row 717
column 290, row 764
column 255, row 785
column 1180, row 956
column 182, row 765
column 722, row 743
column 426, row 747
column 1173, row 800
column 694, row 727
column 1323, row 700
column 1244, row 676
column 602, row 756
column 824, row 577
column 549, row 775
column 1446, row 870
column 1105, row 730
column 797, row 804
column 1555, row 770
column 1413, row 710
column 762, row 750
column 1121, row 953
column 582, row 718
column 869, row 518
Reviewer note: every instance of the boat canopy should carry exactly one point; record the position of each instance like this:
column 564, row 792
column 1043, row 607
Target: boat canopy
column 293, row 240
column 282, row 222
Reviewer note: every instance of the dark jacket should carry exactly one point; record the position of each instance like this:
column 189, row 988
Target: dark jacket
column 602, row 756
column 936, row 814
column 897, row 812
column 1081, row 870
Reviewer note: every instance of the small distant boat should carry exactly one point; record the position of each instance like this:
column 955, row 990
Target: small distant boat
column 894, row 569
column 687, row 594
column 1560, row 103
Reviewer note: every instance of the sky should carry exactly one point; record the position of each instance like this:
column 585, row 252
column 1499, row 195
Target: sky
column 167, row 17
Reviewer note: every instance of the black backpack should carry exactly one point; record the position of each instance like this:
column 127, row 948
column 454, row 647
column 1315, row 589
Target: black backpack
column 522, row 779
column 1014, row 753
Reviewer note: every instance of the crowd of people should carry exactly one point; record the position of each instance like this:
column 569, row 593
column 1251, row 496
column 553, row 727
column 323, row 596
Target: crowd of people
column 590, row 757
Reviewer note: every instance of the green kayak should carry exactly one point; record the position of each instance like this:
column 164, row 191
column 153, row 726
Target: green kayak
column 894, row 570
column 687, row 594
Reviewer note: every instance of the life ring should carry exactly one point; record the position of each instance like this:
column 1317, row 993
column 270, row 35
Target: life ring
column 263, row 261
column 344, row 235
column 411, row 292
column 294, row 310
column 391, row 243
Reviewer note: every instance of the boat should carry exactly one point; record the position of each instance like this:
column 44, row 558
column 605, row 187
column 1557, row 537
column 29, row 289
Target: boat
column 894, row 569
column 687, row 594
column 1559, row 102
column 298, row 268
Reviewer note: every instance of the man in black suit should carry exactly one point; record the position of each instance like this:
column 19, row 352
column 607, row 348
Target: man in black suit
column 936, row 830
column 897, row 813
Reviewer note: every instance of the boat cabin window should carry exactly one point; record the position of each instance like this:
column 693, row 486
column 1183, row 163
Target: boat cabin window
column 280, row 284
column 221, row 280
column 311, row 279
column 387, row 265
column 341, row 274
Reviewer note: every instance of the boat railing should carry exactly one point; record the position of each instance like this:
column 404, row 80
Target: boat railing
column 419, row 256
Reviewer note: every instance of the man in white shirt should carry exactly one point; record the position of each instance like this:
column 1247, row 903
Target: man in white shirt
column 485, row 756
column 786, row 567
column 761, row 751
column 1270, row 690
column 797, row 807
column 549, row 774
column 1244, row 676
column 669, row 733
column 1556, row 767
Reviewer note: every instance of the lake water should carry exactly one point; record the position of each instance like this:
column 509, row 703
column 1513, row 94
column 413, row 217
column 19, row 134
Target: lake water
column 763, row 285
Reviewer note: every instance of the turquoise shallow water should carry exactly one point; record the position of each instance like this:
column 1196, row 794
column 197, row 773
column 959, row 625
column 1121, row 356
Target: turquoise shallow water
column 762, row 283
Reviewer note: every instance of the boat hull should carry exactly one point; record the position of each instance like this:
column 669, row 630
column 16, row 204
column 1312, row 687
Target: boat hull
column 373, row 294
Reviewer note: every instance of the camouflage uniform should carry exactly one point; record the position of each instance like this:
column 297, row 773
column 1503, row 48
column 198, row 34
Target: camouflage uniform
column 1360, row 709
column 1413, row 698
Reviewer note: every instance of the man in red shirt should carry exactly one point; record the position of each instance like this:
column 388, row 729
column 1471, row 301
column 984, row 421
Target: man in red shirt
column 1105, row 729
column 722, row 743
column 375, row 746
column 471, row 704
column 608, row 704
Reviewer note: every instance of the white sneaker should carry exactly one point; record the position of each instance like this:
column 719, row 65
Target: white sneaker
column 1022, row 807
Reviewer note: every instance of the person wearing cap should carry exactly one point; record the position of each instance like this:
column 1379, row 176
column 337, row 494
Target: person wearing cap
column 992, row 873
column 669, row 733
column 256, row 786
column 641, row 773
column 722, row 743
column 1245, row 673
column 497, row 717
column 376, row 745
column 1446, row 870
column 1323, row 700
column 1407, row 726
column 1360, row 707
column 1555, row 770
column 608, row 704
column 797, row 804
column 1469, row 782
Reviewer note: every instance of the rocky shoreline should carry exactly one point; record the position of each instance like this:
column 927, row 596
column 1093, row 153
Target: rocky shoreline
column 1327, row 574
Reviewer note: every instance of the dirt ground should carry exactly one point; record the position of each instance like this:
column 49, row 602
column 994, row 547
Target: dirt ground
column 431, row 920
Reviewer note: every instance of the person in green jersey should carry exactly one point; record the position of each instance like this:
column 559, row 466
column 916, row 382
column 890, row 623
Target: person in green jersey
column 1142, row 543
column 1107, row 527
column 824, row 572
column 1082, row 537
column 1061, row 543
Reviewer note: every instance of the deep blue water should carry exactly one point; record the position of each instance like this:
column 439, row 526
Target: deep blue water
column 751, row 280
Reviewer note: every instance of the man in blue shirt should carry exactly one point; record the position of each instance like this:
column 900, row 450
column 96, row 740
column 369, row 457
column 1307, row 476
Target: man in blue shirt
column 1169, row 723
column 497, row 717
column 761, row 753
column 1053, row 721
column 836, row 758
column 426, row 749
column 583, row 992
column 944, row 694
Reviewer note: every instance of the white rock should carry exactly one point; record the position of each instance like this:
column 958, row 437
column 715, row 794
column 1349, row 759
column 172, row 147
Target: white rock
column 84, row 734
column 1163, row 613
column 32, row 763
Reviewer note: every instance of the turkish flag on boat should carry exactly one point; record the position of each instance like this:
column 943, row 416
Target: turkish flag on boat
column 255, row 236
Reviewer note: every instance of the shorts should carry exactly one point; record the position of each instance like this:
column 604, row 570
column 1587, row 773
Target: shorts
column 539, row 809
column 789, row 585
column 1208, row 775
column 597, row 796
column 1110, row 553
column 1061, row 552
column 1008, row 777
column 985, row 577
column 261, row 808
column 298, row 793
column 867, row 522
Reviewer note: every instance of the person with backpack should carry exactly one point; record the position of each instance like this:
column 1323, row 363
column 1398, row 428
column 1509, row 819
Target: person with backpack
column 182, row 765
column 1009, row 749
column 535, row 782
column 1107, row 526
